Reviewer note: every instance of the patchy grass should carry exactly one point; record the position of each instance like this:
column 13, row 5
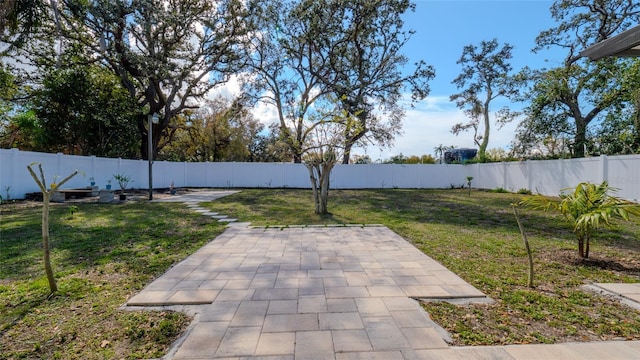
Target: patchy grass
column 101, row 255
column 477, row 237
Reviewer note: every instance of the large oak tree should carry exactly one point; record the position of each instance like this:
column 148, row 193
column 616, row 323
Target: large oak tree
column 485, row 77
column 361, row 42
column 347, row 52
column 167, row 54
column 576, row 94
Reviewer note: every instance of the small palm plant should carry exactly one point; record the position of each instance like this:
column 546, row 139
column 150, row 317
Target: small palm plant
column 587, row 208
column 123, row 181
column 469, row 179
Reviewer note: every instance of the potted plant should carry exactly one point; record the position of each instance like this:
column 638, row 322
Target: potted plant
column 123, row 182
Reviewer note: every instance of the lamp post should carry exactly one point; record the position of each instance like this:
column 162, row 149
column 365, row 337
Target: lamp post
column 151, row 119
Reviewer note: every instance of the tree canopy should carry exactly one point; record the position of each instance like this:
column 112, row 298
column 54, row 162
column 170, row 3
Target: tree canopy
column 167, row 55
column 347, row 52
column 485, row 76
column 567, row 100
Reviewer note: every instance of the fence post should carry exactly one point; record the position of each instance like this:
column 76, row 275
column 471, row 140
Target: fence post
column 504, row 175
column 527, row 165
column 604, row 162
column 58, row 164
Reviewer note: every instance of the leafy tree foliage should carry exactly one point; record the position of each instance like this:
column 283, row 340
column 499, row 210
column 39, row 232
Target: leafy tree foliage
column 361, row 159
column 484, row 78
column 360, row 42
column 582, row 23
column 440, row 150
column 282, row 62
column 269, row 147
column 619, row 132
column 412, row 159
column 496, row 155
column 19, row 18
column 84, row 110
column 220, row 130
column 22, row 131
column 8, row 89
column 559, row 97
column 568, row 99
column 320, row 52
column 166, row 54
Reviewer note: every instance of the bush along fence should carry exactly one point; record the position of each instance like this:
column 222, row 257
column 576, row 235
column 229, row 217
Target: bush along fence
column 547, row 177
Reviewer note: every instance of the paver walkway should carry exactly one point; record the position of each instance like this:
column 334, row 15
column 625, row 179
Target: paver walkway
column 313, row 292
column 326, row 293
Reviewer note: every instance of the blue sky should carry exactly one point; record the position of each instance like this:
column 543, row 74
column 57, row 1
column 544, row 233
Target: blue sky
column 443, row 28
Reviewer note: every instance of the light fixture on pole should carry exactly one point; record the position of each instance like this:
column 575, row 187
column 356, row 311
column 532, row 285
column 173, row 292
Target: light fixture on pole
column 151, row 119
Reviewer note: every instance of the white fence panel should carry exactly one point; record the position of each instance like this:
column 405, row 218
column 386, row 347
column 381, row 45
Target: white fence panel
column 355, row 176
column 405, row 176
column 545, row 177
column 296, row 176
column 197, row 174
column 258, row 175
column 487, row 176
column 516, row 176
column 582, row 170
column 453, row 175
column 623, row 172
column 379, row 176
column 164, row 174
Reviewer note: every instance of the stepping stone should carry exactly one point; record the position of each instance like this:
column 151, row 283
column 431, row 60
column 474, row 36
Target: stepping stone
column 239, row 224
column 228, row 220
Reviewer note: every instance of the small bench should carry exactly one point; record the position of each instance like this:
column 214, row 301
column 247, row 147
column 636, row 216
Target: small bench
column 62, row 194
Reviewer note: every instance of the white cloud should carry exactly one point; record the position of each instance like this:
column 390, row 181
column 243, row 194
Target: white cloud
column 265, row 113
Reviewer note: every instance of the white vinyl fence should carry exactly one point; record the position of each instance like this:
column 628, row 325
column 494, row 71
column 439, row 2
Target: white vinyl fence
column 545, row 177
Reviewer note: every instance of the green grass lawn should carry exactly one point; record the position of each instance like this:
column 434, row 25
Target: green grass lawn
column 105, row 253
column 477, row 237
column 101, row 255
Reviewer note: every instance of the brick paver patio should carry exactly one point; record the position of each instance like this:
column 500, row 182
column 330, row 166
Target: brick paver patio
column 308, row 292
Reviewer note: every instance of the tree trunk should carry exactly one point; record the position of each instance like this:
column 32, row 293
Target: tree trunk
column 45, row 242
column 580, row 139
column 319, row 175
column 526, row 246
column 314, row 186
column 347, row 153
column 46, row 197
column 487, row 128
column 586, row 247
column 636, row 124
column 324, row 189
column 581, row 247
